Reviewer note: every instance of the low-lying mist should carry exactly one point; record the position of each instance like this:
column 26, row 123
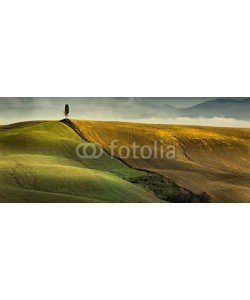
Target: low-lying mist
column 216, row 121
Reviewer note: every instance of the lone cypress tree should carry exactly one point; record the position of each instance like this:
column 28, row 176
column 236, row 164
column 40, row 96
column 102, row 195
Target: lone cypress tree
column 66, row 110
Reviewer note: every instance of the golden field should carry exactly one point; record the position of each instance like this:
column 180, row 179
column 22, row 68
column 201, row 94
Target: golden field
column 208, row 159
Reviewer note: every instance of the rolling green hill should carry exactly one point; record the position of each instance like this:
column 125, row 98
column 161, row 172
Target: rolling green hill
column 38, row 163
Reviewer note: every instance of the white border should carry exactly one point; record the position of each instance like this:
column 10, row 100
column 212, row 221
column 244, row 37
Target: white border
column 124, row 48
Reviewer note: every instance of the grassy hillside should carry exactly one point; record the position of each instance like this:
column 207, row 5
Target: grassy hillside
column 210, row 159
column 38, row 163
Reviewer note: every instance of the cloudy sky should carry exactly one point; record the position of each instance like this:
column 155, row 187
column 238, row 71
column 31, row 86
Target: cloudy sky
column 148, row 110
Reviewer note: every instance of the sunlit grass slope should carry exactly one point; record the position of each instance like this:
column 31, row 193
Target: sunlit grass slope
column 38, row 163
column 210, row 159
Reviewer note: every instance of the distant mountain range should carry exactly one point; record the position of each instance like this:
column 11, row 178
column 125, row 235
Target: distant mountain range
column 222, row 107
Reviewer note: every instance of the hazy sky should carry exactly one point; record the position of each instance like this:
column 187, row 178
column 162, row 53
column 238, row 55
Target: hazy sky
column 128, row 109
